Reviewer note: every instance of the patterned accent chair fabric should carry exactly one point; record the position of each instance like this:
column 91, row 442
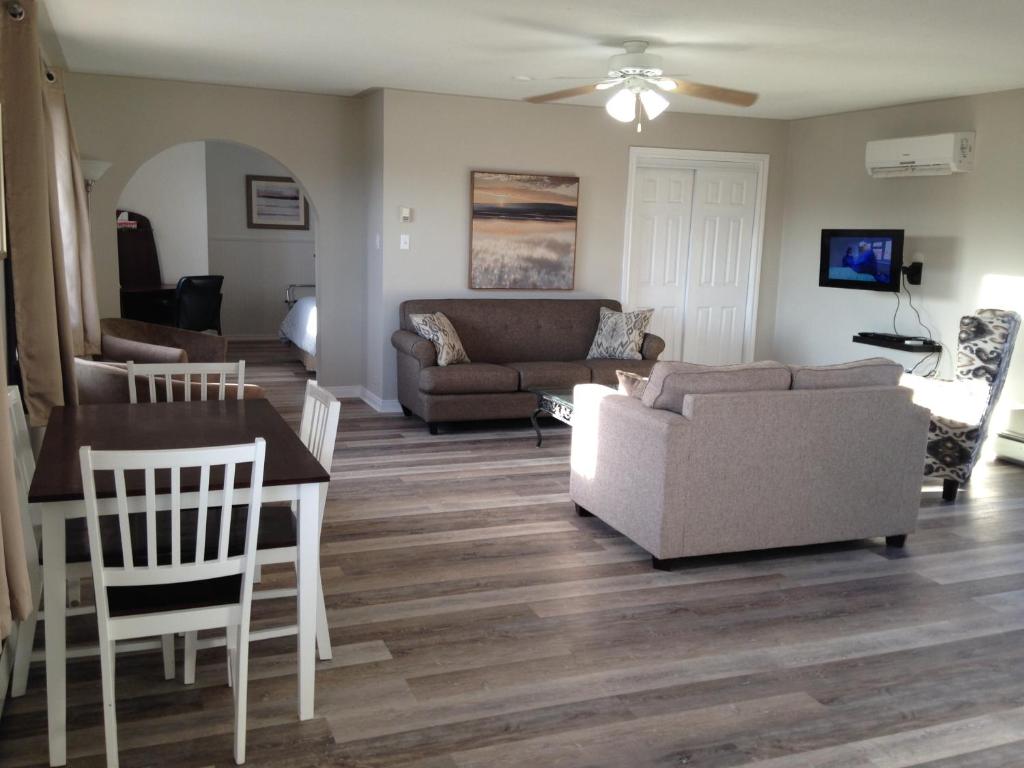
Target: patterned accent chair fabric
column 984, row 347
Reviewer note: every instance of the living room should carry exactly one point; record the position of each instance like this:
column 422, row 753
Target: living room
column 487, row 579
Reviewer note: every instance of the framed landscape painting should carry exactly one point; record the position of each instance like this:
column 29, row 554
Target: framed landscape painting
column 275, row 202
column 523, row 234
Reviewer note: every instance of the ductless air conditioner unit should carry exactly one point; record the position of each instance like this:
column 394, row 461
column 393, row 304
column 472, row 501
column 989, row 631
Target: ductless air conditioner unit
column 938, row 155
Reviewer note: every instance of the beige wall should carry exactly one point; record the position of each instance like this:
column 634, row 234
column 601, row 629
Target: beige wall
column 170, row 190
column 318, row 138
column 965, row 228
column 257, row 264
column 432, row 142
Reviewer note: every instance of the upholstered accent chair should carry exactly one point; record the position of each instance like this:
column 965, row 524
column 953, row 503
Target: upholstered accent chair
column 961, row 408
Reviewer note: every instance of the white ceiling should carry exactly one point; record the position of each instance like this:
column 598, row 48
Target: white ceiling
column 805, row 57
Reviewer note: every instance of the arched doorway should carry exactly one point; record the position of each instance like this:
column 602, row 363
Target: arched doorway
column 223, row 208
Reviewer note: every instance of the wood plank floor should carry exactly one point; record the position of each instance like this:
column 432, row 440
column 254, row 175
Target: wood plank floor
column 478, row 623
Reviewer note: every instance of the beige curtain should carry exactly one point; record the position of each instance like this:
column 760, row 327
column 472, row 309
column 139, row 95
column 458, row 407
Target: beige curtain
column 56, row 315
column 55, row 310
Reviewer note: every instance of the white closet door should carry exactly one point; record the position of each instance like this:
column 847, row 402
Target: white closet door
column 719, row 275
column 660, row 241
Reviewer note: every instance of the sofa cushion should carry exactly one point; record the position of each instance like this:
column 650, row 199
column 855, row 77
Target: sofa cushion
column 551, row 375
column 671, row 382
column 871, row 372
column 620, row 334
column 603, row 371
column 632, row 384
column 440, row 330
column 468, row 378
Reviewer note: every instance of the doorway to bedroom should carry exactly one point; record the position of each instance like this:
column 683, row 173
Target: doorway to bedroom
column 222, row 209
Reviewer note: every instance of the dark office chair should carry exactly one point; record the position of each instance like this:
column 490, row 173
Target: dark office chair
column 197, row 302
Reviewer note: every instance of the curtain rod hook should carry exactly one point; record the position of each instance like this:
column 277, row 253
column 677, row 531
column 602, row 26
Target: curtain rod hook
column 16, row 11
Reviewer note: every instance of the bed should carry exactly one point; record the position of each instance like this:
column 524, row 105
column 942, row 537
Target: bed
column 298, row 328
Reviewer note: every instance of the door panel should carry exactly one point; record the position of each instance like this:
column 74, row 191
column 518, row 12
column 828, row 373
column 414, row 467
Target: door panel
column 716, row 300
column 659, row 250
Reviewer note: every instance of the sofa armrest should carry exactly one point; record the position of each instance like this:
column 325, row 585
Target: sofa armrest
column 624, row 464
column 116, row 349
column 200, row 347
column 652, row 346
column 415, row 346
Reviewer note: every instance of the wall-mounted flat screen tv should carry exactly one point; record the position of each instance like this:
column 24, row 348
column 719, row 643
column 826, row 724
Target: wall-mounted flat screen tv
column 868, row 259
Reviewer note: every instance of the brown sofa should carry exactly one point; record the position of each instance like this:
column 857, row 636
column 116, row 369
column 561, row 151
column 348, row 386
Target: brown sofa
column 515, row 345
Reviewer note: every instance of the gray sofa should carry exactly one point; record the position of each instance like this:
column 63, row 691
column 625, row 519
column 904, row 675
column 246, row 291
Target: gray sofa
column 515, row 345
column 764, row 456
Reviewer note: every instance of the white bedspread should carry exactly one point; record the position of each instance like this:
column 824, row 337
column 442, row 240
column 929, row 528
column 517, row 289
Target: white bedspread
column 299, row 325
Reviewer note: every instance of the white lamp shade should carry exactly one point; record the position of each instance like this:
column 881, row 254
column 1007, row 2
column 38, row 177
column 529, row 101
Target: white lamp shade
column 622, row 106
column 93, row 170
column 654, row 103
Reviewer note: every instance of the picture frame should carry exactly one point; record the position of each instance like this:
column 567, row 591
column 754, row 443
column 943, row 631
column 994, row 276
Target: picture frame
column 275, row 202
column 523, row 231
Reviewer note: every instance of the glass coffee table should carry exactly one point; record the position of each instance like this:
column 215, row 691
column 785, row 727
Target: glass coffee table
column 556, row 403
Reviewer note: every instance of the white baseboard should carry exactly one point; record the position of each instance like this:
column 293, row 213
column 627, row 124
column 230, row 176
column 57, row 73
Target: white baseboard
column 347, row 390
column 368, row 397
column 380, row 405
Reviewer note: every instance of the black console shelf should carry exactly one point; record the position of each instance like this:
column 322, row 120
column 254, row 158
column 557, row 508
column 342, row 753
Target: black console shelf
column 925, row 348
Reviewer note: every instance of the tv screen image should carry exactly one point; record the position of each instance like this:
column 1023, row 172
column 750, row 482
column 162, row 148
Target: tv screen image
column 865, row 259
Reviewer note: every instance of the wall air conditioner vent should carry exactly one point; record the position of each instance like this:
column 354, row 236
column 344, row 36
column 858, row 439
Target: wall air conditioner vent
column 939, row 155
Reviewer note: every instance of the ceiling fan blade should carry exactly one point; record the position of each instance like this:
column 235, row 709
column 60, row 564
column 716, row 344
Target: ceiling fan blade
column 710, row 92
column 568, row 93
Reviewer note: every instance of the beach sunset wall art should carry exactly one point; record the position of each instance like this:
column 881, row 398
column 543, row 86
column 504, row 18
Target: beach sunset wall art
column 275, row 202
column 524, row 231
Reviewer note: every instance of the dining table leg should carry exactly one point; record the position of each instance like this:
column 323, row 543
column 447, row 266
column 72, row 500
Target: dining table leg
column 54, row 605
column 308, row 562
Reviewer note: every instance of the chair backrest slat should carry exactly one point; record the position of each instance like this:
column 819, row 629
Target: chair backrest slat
column 150, row 476
column 182, row 374
column 204, row 503
column 123, row 519
column 176, row 516
column 225, row 513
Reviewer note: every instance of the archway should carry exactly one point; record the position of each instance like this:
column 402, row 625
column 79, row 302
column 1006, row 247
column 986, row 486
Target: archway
column 225, row 208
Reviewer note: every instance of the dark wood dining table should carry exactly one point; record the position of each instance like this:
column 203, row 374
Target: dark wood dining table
column 291, row 473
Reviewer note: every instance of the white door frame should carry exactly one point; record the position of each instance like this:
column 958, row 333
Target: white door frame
column 696, row 159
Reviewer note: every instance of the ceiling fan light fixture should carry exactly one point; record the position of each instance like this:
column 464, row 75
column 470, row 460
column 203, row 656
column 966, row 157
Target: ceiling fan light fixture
column 622, row 106
column 654, row 103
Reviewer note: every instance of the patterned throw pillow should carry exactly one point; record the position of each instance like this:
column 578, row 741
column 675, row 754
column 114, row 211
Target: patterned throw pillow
column 620, row 334
column 439, row 329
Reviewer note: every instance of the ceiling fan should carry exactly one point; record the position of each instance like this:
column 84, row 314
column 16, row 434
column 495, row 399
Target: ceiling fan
column 637, row 76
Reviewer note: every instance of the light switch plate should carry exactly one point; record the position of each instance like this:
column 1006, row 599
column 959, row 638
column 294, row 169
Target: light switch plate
column 403, row 242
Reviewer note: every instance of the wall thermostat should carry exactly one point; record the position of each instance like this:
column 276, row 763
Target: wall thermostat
column 405, row 215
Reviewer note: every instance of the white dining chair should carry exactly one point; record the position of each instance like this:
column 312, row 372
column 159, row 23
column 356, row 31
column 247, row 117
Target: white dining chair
column 186, row 583
column 318, row 430
column 186, row 375
column 78, row 565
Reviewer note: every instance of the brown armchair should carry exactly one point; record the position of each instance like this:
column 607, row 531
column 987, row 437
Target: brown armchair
column 199, row 347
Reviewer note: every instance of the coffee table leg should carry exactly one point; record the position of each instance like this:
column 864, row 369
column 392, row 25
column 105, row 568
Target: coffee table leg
column 536, row 426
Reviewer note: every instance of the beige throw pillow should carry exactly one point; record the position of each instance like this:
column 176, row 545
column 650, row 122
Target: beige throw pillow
column 631, row 384
column 438, row 328
column 620, row 335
